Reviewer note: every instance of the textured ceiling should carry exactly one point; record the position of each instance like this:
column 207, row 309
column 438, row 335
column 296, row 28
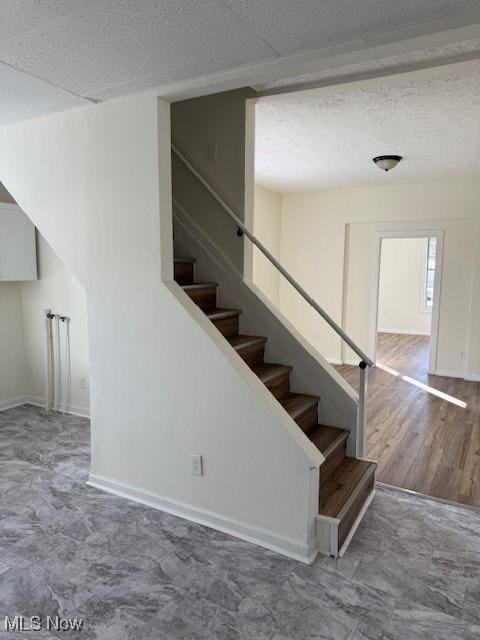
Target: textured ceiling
column 325, row 138
column 427, row 56
column 53, row 53
column 308, row 24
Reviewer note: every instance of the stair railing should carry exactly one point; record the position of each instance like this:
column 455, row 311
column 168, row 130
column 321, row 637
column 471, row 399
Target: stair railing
column 365, row 361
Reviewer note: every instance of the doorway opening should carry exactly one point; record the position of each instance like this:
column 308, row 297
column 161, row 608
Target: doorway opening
column 405, row 327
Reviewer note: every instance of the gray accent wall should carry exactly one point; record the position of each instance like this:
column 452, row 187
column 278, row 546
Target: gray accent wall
column 5, row 195
column 197, row 123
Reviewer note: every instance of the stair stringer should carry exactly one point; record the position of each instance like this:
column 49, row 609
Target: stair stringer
column 312, row 457
column 327, row 531
column 312, row 373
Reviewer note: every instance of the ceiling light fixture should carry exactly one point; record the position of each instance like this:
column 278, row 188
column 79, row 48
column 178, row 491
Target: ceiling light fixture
column 387, row 162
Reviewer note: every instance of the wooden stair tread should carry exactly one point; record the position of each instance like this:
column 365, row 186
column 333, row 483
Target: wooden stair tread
column 345, row 483
column 250, row 348
column 200, row 285
column 267, row 371
column 327, row 438
column 243, row 341
column 219, row 314
column 349, row 474
column 296, row 403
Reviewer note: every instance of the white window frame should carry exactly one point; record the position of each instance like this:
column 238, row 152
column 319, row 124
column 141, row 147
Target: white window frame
column 424, row 308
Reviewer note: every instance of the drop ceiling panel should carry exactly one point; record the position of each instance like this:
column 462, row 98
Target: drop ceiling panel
column 23, row 97
column 308, row 24
column 20, row 16
column 107, row 48
column 326, row 138
column 116, row 43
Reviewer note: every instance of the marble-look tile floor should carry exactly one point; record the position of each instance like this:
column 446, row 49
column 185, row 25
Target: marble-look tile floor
column 412, row 571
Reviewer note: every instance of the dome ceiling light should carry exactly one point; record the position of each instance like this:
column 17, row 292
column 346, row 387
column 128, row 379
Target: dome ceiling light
column 387, row 162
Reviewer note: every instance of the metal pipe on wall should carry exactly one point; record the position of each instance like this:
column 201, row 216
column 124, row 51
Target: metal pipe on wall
column 48, row 359
column 58, row 379
column 67, row 381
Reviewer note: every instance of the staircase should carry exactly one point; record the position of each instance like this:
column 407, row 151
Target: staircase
column 346, row 484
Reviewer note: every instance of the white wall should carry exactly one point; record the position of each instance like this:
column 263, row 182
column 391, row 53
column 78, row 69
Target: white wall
column 58, row 290
column 456, row 289
column 96, row 182
column 319, row 229
column 12, row 363
column 267, row 224
column 402, row 285
column 22, row 331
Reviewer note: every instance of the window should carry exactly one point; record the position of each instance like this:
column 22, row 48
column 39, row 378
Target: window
column 429, row 282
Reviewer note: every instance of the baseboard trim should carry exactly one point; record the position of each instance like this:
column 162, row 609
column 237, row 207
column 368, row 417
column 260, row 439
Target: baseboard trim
column 13, row 402
column 444, row 373
column 472, row 377
column 449, row 374
column 250, row 533
column 405, row 332
column 75, row 410
column 334, row 361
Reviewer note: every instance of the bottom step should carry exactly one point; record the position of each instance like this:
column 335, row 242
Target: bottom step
column 343, row 501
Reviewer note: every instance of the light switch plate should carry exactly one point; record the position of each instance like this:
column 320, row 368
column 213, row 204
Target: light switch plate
column 212, row 151
column 196, row 464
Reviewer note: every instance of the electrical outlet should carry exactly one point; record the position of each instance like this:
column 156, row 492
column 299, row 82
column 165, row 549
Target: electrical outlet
column 83, row 383
column 462, row 355
column 196, row 464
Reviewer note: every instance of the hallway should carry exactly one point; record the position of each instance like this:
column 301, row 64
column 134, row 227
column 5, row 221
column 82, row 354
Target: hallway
column 422, row 442
column 130, row 571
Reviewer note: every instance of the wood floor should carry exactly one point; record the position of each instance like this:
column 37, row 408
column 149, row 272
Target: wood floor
column 421, row 442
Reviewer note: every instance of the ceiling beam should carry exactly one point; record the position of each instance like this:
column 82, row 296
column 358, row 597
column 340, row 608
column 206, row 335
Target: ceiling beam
column 422, row 36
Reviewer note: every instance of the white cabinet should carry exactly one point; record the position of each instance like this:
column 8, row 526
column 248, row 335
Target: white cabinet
column 18, row 254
